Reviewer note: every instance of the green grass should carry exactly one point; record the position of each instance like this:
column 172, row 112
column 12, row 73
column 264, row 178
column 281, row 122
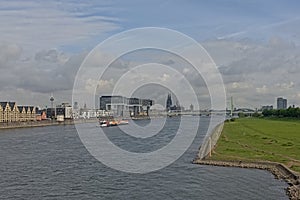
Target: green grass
column 255, row 139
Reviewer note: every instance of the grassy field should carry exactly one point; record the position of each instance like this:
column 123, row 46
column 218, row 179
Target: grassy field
column 254, row 139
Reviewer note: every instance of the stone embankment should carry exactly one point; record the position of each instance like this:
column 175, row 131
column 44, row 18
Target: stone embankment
column 277, row 169
column 43, row 123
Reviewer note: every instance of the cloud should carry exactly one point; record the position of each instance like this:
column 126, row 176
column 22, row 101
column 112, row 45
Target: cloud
column 47, row 72
column 52, row 56
column 258, row 72
column 43, row 43
column 9, row 53
column 241, row 85
column 255, row 74
column 285, row 86
column 100, row 85
column 165, row 77
column 262, row 89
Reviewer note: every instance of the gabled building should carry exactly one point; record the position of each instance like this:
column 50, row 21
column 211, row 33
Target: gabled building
column 22, row 113
column 10, row 112
column 30, row 113
column 6, row 113
column 14, row 112
column 1, row 113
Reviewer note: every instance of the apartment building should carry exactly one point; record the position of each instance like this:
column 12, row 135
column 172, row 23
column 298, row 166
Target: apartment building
column 10, row 112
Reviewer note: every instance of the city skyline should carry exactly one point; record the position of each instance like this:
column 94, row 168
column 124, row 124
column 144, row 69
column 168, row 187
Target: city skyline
column 254, row 44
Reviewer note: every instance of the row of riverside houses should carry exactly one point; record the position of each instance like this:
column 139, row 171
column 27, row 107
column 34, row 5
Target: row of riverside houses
column 10, row 112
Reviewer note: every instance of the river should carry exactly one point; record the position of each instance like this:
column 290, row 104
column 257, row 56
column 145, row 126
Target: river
column 52, row 163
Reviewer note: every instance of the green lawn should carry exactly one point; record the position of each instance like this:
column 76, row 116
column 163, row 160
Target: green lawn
column 255, row 139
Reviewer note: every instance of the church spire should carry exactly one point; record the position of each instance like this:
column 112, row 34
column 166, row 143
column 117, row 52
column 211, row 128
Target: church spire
column 169, row 102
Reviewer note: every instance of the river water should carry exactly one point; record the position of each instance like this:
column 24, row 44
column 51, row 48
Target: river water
column 52, row 163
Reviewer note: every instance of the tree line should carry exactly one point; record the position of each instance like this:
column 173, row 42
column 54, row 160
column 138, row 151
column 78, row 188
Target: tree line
column 290, row 112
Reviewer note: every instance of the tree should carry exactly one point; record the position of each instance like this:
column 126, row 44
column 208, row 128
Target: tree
column 241, row 114
column 290, row 112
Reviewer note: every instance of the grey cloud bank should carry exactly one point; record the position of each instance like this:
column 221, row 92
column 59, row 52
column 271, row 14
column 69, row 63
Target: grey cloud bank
column 253, row 73
column 256, row 73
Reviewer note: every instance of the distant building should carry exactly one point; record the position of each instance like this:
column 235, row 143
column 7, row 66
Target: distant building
column 64, row 109
column 267, row 107
column 10, row 112
column 170, row 107
column 50, row 113
column 117, row 104
column 123, row 106
column 169, row 102
column 40, row 114
column 104, row 113
column 191, row 107
column 88, row 113
column 146, row 105
column 27, row 113
column 281, row 103
column 134, row 106
column 75, row 105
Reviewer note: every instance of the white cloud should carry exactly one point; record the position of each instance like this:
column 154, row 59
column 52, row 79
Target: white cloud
column 262, row 89
column 241, row 85
column 100, row 85
column 186, row 70
column 165, row 77
column 9, row 53
column 285, row 86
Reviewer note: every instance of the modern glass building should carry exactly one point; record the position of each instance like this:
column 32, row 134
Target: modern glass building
column 281, row 103
column 123, row 106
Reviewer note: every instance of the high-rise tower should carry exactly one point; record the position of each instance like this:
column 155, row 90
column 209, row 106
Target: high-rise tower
column 53, row 110
column 52, row 100
column 281, row 103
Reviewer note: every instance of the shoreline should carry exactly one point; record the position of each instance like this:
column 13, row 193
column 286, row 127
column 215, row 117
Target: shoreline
column 44, row 123
column 34, row 124
column 279, row 170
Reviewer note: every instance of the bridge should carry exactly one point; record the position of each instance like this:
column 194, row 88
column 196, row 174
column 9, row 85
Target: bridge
column 204, row 112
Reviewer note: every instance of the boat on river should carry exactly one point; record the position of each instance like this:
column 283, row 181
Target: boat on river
column 108, row 123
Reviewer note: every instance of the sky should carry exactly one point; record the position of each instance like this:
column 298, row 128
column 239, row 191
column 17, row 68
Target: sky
column 255, row 45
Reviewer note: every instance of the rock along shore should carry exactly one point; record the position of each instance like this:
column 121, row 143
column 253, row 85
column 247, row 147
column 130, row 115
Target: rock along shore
column 279, row 170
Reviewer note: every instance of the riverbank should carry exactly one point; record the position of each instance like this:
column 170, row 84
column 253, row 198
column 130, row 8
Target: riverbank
column 272, row 145
column 33, row 124
column 279, row 170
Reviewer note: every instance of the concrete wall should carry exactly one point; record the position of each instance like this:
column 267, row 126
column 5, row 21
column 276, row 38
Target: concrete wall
column 210, row 141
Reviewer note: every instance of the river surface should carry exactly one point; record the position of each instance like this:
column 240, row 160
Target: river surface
column 52, row 163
